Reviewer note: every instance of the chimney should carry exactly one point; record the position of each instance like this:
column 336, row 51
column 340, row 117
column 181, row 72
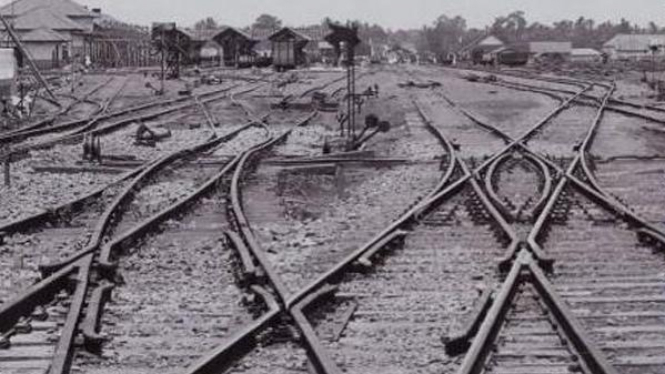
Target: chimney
column 97, row 10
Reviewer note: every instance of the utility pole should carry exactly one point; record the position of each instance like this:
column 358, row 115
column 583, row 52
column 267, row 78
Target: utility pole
column 345, row 39
column 163, row 48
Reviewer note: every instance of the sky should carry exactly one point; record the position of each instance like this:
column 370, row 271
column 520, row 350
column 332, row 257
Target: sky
column 392, row 14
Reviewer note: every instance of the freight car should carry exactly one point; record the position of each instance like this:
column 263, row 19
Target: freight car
column 511, row 57
column 283, row 55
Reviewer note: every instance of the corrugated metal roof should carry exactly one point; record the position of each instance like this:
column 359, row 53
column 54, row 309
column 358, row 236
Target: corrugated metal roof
column 490, row 40
column 635, row 42
column 204, row 34
column 44, row 35
column 550, row 47
column 585, row 52
column 44, row 18
column 64, row 7
column 288, row 32
column 314, row 32
column 484, row 42
column 232, row 30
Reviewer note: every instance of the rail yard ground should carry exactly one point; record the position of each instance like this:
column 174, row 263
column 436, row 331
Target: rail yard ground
column 510, row 221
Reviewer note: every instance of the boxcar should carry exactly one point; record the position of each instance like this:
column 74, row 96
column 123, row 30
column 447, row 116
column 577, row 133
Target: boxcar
column 284, row 54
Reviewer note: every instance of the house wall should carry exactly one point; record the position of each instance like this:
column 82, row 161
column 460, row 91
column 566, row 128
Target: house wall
column 43, row 53
column 550, row 47
column 615, row 54
column 585, row 58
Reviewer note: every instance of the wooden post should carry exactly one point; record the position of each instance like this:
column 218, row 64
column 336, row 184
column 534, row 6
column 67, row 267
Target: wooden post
column 7, row 167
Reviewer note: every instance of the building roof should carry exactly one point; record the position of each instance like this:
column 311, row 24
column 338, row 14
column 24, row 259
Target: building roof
column 550, row 47
column 490, row 40
column 204, row 35
column 635, row 42
column 486, row 42
column 63, row 7
column 585, row 52
column 314, row 32
column 233, row 32
column 288, row 33
column 261, row 34
column 44, row 35
column 44, row 18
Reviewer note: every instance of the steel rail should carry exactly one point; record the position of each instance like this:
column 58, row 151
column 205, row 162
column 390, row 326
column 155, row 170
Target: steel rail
column 172, row 105
column 320, row 359
column 649, row 230
column 249, row 249
column 42, row 291
column 525, row 269
column 422, row 207
column 547, row 203
column 62, row 112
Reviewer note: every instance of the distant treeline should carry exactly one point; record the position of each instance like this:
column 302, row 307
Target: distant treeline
column 449, row 34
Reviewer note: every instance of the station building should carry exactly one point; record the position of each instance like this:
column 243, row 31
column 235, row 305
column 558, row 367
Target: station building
column 635, row 46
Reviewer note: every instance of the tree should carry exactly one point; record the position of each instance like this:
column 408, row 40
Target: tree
column 267, row 22
column 511, row 27
column 444, row 37
column 206, row 24
column 653, row 28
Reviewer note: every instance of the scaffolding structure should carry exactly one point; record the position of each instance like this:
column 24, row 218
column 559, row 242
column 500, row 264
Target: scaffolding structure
column 116, row 49
column 172, row 45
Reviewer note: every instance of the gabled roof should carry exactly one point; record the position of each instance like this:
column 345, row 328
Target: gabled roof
column 261, row 34
column 231, row 32
column 288, row 33
column 550, row 47
column 44, row 35
column 486, row 42
column 635, row 42
column 203, row 35
column 490, row 40
column 44, row 18
column 315, row 32
column 64, row 7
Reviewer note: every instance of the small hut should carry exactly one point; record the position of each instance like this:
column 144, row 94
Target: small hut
column 237, row 47
column 288, row 48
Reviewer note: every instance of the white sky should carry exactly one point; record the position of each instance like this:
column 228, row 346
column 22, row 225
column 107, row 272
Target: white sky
column 393, row 13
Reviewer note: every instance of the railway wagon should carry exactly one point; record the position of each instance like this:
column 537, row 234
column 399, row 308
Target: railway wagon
column 284, row 55
column 512, row 57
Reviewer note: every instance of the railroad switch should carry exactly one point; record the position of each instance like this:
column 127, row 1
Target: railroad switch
column 92, row 148
column 5, row 342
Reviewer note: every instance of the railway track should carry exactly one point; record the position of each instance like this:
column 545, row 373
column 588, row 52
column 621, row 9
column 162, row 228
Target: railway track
column 578, row 330
column 623, row 157
column 82, row 300
column 508, row 264
column 318, row 356
column 83, row 105
column 118, row 152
